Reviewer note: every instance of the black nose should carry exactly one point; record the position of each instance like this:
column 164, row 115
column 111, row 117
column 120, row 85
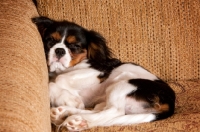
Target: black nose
column 60, row 52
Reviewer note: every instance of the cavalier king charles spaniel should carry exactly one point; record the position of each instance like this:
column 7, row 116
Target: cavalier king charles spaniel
column 88, row 87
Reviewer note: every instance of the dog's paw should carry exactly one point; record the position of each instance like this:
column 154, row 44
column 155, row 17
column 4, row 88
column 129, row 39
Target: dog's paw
column 58, row 115
column 75, row 123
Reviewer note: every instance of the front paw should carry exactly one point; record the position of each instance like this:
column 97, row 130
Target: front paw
column 58, row 115
column 75, row 123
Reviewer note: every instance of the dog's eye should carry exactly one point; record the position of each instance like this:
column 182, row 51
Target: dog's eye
column 51, row 39
column 77, row 45
column 73, row 45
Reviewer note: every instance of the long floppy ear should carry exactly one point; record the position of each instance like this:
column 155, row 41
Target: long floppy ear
column 42, row 23
column 97, row 48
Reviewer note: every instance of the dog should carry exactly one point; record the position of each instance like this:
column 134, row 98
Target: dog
column 88, row 87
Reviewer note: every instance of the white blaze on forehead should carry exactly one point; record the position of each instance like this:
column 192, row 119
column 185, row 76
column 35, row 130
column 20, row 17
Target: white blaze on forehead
column 63, row 39
column 55, row 63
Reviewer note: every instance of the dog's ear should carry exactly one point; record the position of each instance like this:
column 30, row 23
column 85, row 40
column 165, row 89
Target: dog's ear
column 97, row 48
column 42, row 23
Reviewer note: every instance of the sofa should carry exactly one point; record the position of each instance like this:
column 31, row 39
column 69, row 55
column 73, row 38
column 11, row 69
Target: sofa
column 161, row 35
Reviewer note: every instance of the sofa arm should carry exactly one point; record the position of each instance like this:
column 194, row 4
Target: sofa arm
column 24, row 101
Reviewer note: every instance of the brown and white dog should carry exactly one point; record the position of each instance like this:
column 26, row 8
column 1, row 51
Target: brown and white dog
column 88, row 77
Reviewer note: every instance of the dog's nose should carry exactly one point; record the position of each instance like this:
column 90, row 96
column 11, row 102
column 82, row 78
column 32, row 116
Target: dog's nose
column 60, row 52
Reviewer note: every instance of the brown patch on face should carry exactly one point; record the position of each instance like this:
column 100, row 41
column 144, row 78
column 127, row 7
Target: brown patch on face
column 71, row 39
column 56, row 36
column 76, row 58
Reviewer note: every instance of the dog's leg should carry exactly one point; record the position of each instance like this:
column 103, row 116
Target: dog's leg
column 59, row 114
column 63, row 97
column 115, row 107
column 131, row 119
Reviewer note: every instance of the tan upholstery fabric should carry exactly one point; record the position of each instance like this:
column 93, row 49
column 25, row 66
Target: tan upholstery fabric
column 163, row 36
column 24, row 101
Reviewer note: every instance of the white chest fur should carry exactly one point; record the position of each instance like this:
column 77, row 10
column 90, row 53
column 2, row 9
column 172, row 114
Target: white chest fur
column 81, row 84
column 68, row 86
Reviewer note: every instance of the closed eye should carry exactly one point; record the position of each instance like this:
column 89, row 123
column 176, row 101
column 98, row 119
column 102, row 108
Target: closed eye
column 76, row 48
column 50, row 41
column 74, row 45
column 77, row 45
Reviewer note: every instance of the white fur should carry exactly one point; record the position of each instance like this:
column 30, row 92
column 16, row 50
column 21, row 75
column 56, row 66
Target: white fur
column 130, row 71
column 79, row 87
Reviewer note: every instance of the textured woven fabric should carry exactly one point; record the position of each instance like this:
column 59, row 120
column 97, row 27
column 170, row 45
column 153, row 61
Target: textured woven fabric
column 185, row 119
column 24, row 101
column 161, row 35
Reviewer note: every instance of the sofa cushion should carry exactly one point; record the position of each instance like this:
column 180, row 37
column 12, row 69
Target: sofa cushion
column 163, row 36
column 24, row 99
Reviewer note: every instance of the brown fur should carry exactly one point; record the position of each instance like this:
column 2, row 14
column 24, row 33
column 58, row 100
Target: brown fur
column 56, row 36
column 76, row 58
column 71, row 39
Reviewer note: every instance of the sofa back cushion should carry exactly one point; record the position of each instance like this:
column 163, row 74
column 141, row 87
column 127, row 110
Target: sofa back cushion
column 163, row 36
column 24, row 102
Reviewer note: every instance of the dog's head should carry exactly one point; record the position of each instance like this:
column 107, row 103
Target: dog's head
column 66, row 44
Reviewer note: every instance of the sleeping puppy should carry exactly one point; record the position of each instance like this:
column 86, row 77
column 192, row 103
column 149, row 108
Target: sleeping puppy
column 85, row 75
